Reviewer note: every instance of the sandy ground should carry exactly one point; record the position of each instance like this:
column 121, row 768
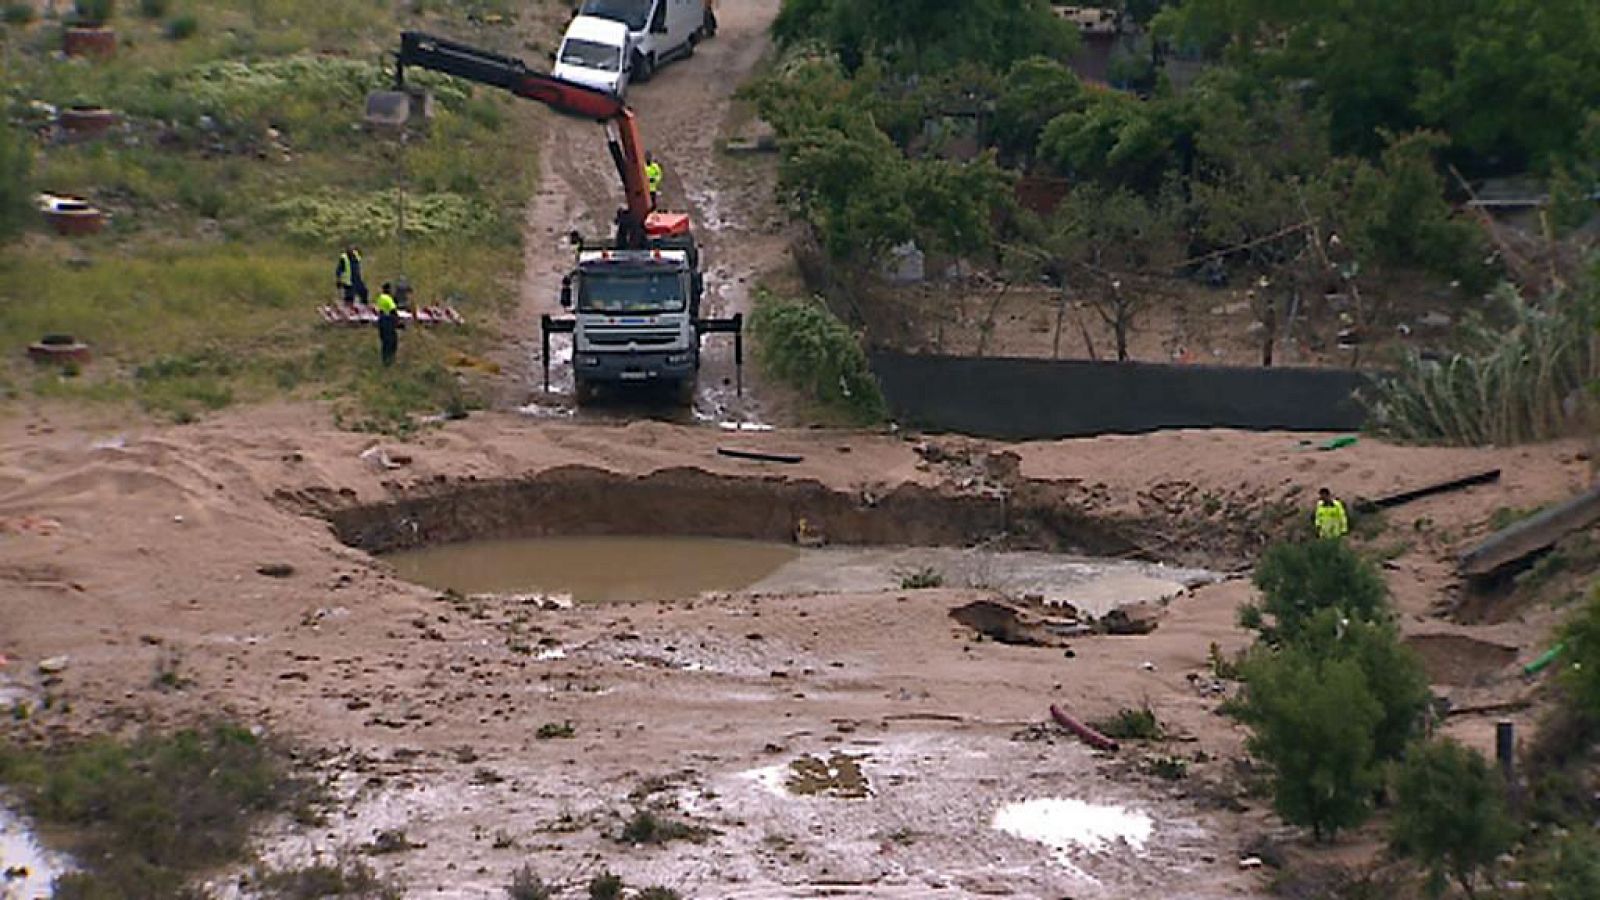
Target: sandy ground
column 137, row 551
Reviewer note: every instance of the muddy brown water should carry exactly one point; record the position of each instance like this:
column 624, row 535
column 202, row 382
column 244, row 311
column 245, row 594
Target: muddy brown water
column 595, row 569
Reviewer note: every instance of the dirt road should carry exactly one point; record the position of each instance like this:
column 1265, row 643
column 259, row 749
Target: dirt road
column 681, row 115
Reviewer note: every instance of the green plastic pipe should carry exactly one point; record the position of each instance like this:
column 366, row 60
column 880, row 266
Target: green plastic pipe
column 1545, row 659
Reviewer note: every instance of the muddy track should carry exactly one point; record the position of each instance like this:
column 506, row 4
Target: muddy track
column 681, row 113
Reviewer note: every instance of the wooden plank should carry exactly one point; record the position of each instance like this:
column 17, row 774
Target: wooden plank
column 1399, row 498
column 1535, row 533
column 759, row 456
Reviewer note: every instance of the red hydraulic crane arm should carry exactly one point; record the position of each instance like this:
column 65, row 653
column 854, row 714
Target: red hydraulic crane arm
column 439, row 54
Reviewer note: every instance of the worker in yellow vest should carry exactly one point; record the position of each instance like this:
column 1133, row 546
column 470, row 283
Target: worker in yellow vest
column 652, row 172
column 388, row 324
column 1331, row 521
column 347, row 278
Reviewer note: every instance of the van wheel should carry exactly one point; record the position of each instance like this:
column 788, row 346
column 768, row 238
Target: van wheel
column 709, row 28
column 644, row 67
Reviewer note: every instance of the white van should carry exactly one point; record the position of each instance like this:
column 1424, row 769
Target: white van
column 658, row 30
column 594, row 53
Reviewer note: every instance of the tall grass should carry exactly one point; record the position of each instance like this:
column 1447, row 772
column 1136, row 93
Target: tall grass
column 1531, row 380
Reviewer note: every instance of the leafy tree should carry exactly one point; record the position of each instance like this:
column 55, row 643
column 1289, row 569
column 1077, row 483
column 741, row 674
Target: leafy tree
column 1450, row 813
column 1393, row 673
column 1509, row 80
column 1397, row 213
column 1035, row 90
column 1311, row 721
column 928, row 35
column 1115, row 139
column 16, row 191
column 1298, row 580
column 1106, row 244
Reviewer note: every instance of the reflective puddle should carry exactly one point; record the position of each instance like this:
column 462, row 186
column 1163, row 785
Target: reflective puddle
column 595, row 569
column 26, row 869
column 1064, row 824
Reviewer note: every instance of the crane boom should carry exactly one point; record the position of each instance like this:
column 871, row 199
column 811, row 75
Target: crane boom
column 638, row 221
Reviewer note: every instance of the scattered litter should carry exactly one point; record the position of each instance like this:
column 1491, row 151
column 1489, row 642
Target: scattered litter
column 111, row 443
column 275, row 570
column 1148, row 666
column 744, row 426
column 379, row 459
column 1338, row 443
column 1251, row 862
column 54, row 665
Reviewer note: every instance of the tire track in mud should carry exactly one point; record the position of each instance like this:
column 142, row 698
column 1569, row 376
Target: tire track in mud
column 681, row 113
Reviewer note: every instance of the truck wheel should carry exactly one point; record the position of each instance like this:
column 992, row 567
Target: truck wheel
column 644, row 67
column 684, row 393
column 583, row 391
column 709, row 27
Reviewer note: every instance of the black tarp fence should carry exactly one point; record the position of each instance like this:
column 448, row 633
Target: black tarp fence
column 1021, row 399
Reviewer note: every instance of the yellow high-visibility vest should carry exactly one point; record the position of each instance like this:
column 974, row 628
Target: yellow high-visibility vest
column 1331, row 520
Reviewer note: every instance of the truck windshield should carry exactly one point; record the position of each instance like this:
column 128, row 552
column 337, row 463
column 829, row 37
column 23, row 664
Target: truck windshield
column 590, row 55
column 634, row 13
column 630, row 291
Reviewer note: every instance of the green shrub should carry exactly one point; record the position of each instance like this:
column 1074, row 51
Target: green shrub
column 154, row 9
column 1450, row 813
column 804, row 345
column 605, row 886
column 183, row 27
column 1507, row 386
column 657, row 892
column 152, row 812
column 921, row 579
column 527, row 885
column 1312, row 721
column 645, row 827
column 1393, row 673
column 1132, row 724
column 18, row 13
column 347, row 878
column 1566, row 866
column 1298, row 580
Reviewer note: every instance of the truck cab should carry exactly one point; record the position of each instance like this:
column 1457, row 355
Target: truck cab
column 658, row 30
column 595, row 53
column 635, row 318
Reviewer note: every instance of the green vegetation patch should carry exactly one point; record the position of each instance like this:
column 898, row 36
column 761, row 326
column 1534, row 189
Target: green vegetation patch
column 145, row 816
column 331, row 217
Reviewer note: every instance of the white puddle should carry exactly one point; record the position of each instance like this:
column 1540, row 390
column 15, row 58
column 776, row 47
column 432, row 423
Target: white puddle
column 27, row 870
column 1066, row 825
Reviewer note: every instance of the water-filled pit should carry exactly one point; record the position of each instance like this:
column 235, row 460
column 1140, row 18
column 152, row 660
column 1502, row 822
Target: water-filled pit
column 614, row 569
